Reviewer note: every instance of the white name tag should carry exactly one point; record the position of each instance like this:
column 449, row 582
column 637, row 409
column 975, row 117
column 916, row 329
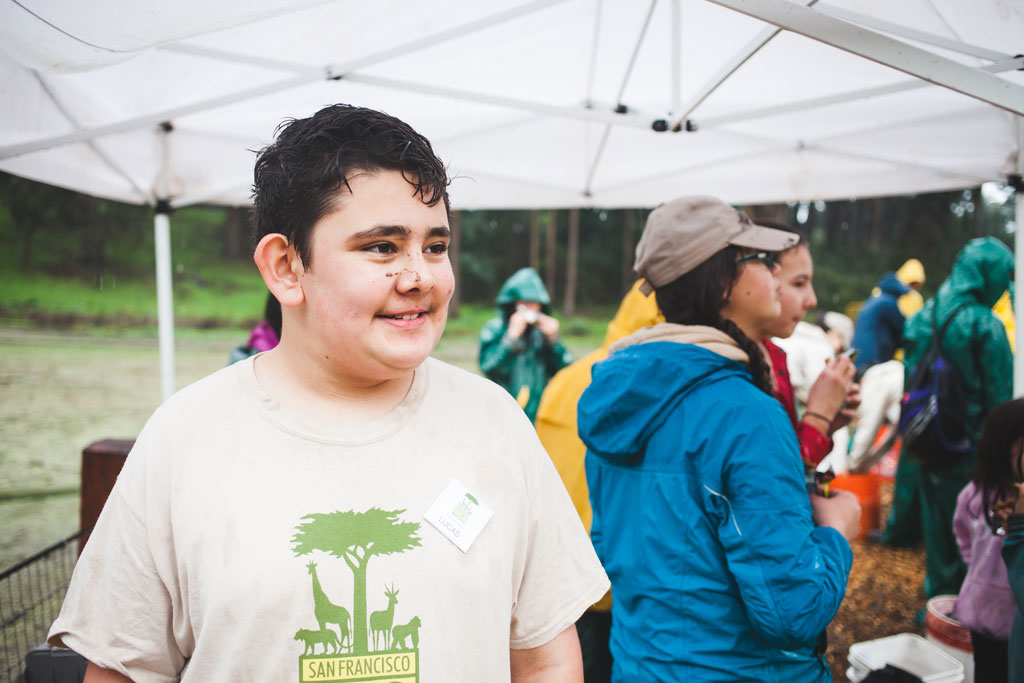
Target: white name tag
column 458, row 515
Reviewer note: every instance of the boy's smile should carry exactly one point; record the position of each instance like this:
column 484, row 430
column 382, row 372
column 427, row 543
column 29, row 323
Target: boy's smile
column 377, row 290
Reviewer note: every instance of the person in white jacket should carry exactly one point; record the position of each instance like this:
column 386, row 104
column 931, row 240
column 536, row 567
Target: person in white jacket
column 881, row 390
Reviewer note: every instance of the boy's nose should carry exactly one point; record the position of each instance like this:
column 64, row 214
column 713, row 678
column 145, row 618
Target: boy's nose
column 415, row 274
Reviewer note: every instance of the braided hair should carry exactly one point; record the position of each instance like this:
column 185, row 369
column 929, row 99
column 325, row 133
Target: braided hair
column 697, row 298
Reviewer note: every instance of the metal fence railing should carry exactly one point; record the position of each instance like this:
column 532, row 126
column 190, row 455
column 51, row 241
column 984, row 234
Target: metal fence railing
column 31, row 593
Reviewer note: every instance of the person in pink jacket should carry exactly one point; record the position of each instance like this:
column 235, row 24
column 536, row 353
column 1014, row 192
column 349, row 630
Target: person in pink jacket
column 986, row 603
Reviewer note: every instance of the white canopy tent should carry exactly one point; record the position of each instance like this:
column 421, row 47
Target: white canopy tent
column 534, row 103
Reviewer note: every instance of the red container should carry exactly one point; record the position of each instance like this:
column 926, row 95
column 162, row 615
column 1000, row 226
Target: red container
column 941, row 626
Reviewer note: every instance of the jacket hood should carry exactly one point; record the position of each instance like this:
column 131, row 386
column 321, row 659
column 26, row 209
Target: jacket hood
column 523, row 285
column 636, row 311
column 890, row 284
column 982, row 272
column 648, row 374
column 910, row 272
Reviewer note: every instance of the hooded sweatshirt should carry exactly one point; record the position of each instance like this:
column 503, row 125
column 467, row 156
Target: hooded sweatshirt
column 524, row 365
column 879, row 329
column 701, row 516
column 975, row 341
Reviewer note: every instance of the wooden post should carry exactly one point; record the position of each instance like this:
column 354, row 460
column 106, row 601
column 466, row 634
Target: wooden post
column 234, row 233
column 549, row 256
column 573, row 255
column 101, row 463
column 453, row 256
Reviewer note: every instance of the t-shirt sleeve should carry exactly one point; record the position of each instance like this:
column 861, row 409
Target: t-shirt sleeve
column 562, row 576
column 118, row 611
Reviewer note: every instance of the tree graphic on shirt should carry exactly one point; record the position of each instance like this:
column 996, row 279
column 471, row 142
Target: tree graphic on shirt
column 356, row 537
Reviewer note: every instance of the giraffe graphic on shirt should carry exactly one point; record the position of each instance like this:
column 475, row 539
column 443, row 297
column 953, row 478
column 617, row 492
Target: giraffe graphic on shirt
column 356, row 537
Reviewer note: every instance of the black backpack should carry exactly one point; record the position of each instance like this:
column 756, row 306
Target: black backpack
column 934, row 409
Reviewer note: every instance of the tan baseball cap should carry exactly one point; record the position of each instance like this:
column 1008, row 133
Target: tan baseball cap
column 685, row 232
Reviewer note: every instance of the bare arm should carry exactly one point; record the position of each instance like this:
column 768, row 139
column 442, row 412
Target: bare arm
column 97, row 674
column 557, row 661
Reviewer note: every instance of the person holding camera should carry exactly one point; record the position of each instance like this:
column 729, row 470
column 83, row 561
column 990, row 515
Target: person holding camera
column 520, row 348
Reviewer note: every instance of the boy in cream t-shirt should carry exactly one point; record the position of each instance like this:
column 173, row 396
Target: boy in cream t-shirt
column 342, row 507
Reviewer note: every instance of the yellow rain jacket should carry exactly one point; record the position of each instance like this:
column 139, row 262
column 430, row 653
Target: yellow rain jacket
column 1004, row 311
column 910, row 272
column 556, row 416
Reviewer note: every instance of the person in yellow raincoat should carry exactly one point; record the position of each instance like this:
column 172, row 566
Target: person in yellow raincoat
column 911, row 274
column 556, row 427
column 1004, row 311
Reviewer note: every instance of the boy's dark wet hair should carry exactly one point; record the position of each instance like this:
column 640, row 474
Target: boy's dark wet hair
column 298, row 177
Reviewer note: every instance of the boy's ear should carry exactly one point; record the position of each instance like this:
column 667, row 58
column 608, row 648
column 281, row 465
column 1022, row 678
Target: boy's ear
column 280, row 266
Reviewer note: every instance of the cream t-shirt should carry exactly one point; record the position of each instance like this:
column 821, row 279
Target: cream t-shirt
column 243, row 542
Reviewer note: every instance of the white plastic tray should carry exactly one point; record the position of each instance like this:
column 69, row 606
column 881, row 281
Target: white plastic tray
column 910, row 652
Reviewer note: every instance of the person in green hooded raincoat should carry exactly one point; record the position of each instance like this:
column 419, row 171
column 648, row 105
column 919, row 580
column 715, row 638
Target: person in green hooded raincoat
column 976, row 343
column 520, row 348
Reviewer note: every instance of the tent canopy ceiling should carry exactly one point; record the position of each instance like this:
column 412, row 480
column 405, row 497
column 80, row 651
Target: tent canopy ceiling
column 520, row 97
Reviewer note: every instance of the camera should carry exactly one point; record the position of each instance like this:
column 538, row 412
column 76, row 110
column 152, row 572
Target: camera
column 529, row 315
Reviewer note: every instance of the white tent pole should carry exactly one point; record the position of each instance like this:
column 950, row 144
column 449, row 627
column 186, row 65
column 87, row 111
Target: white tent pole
column 628, row 118
column 884, row 50
column 676, row 71
column 342, row 68
column 727, row 70
column 9, row 151
column 594, row 42
column 162, row 244
column 1018, row 305
column 44, row 83
column 913, row 34
column 164, row 299
column 618, row 99
column 804, row 105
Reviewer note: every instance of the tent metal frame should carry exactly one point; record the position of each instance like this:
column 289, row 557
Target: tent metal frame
column 866, row 37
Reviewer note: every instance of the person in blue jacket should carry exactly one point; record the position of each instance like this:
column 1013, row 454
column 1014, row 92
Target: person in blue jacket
column 702, row 517
column 878, row 331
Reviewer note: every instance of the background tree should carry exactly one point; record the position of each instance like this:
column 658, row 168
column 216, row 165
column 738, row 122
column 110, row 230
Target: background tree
column 61, row 233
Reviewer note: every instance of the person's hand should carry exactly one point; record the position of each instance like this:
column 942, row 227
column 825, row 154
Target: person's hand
column 548, row 326
column 849, row 410
column 826, row 396
column 840, row 510
column 1004, row 507
column 516, row 325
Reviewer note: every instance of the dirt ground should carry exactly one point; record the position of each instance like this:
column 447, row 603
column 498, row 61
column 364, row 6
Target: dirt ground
column 63, row 390
column 883, row 595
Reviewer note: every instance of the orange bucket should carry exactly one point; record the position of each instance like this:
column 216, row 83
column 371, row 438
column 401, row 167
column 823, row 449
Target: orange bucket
column 865, row 487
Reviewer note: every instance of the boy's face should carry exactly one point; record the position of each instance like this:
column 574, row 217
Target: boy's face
column 377, row 293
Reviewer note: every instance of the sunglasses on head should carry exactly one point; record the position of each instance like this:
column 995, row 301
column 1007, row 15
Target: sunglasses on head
column 768, row 258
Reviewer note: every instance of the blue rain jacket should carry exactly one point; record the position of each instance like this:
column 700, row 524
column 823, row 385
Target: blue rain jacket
column 879, row 328
column 703, row 522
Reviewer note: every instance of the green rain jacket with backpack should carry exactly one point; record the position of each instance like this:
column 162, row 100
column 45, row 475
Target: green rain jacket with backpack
column 975, row 341
column 524, row 365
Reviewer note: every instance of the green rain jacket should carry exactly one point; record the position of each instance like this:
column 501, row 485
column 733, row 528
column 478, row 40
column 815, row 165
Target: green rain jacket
column 523, row 366
column 976, row 341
